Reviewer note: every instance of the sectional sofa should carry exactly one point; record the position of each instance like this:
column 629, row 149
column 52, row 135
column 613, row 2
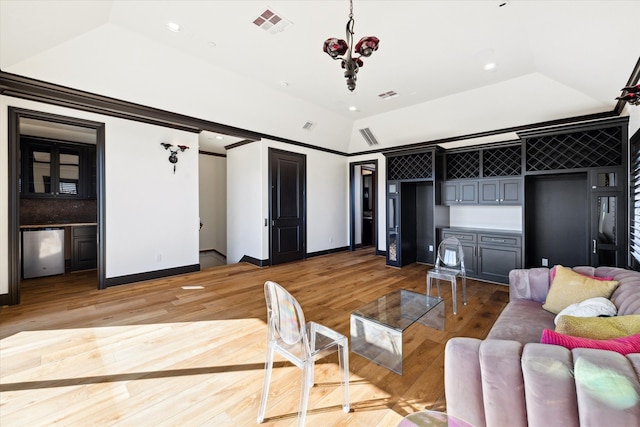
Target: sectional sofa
column 512, row 379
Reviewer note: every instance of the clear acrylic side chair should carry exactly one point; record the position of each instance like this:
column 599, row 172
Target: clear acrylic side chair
column 449, row 265
column 301, row 343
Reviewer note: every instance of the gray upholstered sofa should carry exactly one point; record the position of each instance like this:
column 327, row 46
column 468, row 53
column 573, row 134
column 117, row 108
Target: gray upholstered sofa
column 511, row 379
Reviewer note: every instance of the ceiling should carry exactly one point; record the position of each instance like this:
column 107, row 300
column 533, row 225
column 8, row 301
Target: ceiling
column 555, row 60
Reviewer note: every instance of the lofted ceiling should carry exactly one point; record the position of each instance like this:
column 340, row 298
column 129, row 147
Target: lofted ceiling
column 554, row 60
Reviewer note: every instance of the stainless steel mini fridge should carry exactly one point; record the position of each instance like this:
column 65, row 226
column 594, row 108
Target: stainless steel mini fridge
column 42, row 252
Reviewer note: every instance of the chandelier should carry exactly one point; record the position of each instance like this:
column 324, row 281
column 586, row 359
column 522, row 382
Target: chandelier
column 337, row 48
column 631, row 95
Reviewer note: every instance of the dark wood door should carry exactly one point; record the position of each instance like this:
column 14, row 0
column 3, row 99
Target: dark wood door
column 287, row 172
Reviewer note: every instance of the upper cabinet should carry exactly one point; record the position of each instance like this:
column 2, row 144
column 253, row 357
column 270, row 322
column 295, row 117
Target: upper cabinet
column 501, row 191
column 57, row 169
column 486, row 176
column 463, row 192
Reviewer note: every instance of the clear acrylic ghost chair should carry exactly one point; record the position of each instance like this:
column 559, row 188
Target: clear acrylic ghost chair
column 449, row 265
column 302, row 344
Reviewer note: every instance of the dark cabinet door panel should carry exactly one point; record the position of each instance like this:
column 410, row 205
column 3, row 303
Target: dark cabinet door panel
column 495, row 263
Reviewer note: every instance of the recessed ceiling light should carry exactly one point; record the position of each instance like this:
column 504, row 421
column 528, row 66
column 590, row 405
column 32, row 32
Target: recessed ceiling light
column 172, row 26
column 353, row 108
column 284, row 84
column 219, row 137
column 490, row 66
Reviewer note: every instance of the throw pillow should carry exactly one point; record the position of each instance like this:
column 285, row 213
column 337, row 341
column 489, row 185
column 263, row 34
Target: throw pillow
column 599, row 328
column 591, row 307
column 569, row 287
column 623, row 345
column 553, row 275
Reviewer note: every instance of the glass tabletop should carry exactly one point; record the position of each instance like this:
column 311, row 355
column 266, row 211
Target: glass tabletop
column 398, row 309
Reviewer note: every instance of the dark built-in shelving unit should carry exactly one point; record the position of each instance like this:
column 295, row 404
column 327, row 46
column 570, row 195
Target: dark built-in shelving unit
column 588, row 156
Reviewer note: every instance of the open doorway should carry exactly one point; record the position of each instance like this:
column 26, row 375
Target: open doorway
column 363, row 205
column 56, row 190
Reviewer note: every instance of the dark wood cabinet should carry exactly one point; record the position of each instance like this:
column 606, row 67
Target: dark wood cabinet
column 84, row 244
column 488, row 255
column 52, row 168
column 501, row 191
column 498, row 254
column 469, row 244
column 460, row 192
column 608, row 215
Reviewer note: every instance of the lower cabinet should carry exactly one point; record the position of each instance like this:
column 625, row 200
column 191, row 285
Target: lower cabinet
column 488, row 255
column 84, row 244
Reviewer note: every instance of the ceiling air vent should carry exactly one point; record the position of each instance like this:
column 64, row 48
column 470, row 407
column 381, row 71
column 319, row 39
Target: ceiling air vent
column 271, row 22
column 388, row 95
column 368, row 136
column 308, row 126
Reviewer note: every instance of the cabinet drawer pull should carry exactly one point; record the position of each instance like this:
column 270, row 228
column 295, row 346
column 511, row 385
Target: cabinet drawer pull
column 498, row 240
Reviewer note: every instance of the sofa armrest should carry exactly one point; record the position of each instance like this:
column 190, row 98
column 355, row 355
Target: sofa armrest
column 530, row 284
column 483, row 382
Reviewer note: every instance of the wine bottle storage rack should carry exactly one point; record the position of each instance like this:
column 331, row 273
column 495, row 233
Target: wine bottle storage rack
column 585, row 149
column 463, row 165
column 504, row 161
column 410, row 166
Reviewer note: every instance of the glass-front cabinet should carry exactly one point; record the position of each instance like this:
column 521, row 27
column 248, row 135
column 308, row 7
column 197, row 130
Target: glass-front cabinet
column 608, row 217
column 56, row 169
column 393, row 223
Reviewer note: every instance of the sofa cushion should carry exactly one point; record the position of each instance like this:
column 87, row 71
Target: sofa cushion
column 569, row 287
column 622, row 345
column 599, row 328
column 521, row 321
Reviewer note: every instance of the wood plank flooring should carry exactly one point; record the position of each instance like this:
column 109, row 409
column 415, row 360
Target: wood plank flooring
column 189, row 350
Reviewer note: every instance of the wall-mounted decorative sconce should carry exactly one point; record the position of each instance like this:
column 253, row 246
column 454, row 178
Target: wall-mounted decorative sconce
column 173, row 158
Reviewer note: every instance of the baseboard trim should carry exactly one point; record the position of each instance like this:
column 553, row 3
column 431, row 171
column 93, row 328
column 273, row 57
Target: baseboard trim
column 327, row 251
column 255, row 261
column 5, row 300
column 150, row 275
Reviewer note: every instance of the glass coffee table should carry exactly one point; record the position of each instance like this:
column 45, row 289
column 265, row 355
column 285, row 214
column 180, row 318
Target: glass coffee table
column 377, row 327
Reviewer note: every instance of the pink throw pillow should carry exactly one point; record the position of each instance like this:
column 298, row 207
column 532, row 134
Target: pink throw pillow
column 606, row 278
column 622, row 345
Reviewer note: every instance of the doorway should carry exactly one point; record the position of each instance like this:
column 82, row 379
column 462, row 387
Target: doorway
column 75, row 182
column 557, row 226
column 287, row 206
column 363, row 229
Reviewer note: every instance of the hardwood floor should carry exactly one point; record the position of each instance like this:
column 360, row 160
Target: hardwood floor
column 189, row 350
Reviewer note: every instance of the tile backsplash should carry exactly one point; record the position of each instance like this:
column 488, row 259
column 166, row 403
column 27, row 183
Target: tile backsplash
column 52, row 210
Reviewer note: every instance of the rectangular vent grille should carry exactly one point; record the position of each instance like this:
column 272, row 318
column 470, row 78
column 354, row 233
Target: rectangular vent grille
column 463, row 165
column 585, row 149
column 308, row 126
column 388, row 95
column 368, row 136
column 505, row 161
column 271, row 22
column 410, row 166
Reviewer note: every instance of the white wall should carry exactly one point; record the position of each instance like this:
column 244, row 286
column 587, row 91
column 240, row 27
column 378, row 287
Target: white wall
column 213, row 202
column 248, row 200
column 151, row 213
column 246, row 207
column 490, row 217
